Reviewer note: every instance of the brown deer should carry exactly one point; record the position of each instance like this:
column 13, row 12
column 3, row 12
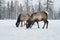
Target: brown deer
column 36, row 17
column 22, row 18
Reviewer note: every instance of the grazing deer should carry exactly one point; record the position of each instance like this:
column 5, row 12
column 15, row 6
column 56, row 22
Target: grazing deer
column 22, row 18
column 36, row 17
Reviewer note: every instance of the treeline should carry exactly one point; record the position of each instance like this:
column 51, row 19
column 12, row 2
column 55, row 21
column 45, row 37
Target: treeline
column 12, row 9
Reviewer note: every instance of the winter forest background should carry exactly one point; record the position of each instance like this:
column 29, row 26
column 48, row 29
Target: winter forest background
column 10, row 9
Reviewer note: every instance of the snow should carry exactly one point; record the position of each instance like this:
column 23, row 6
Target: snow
column 9, row 31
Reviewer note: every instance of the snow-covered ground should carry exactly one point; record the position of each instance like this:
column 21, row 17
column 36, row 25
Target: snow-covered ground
column 9, row 31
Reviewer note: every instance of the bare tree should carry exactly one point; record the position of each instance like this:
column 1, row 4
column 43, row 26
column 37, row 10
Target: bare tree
column 27, row 6
column 39, row 6
column 11, row 10
column 16, row 7
column 0, row 9
column 32, row 9
column 2, row 4
column 59, row 14
column 49, row 7
column 21, row 9
column 4, row 13
column 8, row 10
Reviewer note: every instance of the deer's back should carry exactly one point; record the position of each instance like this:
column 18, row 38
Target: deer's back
column 24, row 17
column 38, row 16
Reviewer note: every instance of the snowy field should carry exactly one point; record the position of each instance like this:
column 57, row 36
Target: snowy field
column 8, row 31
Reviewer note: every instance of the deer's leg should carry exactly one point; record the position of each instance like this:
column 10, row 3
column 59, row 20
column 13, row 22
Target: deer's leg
column 21, row 24
column 38, row 24
column 44, row 24
column 47, row 24
column 24, row 23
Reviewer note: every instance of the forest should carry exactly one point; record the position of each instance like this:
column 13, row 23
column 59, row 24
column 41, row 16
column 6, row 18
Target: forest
column 11, row 9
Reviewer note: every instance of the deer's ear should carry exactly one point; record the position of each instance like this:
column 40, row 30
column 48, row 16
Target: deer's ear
column 47, row 12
